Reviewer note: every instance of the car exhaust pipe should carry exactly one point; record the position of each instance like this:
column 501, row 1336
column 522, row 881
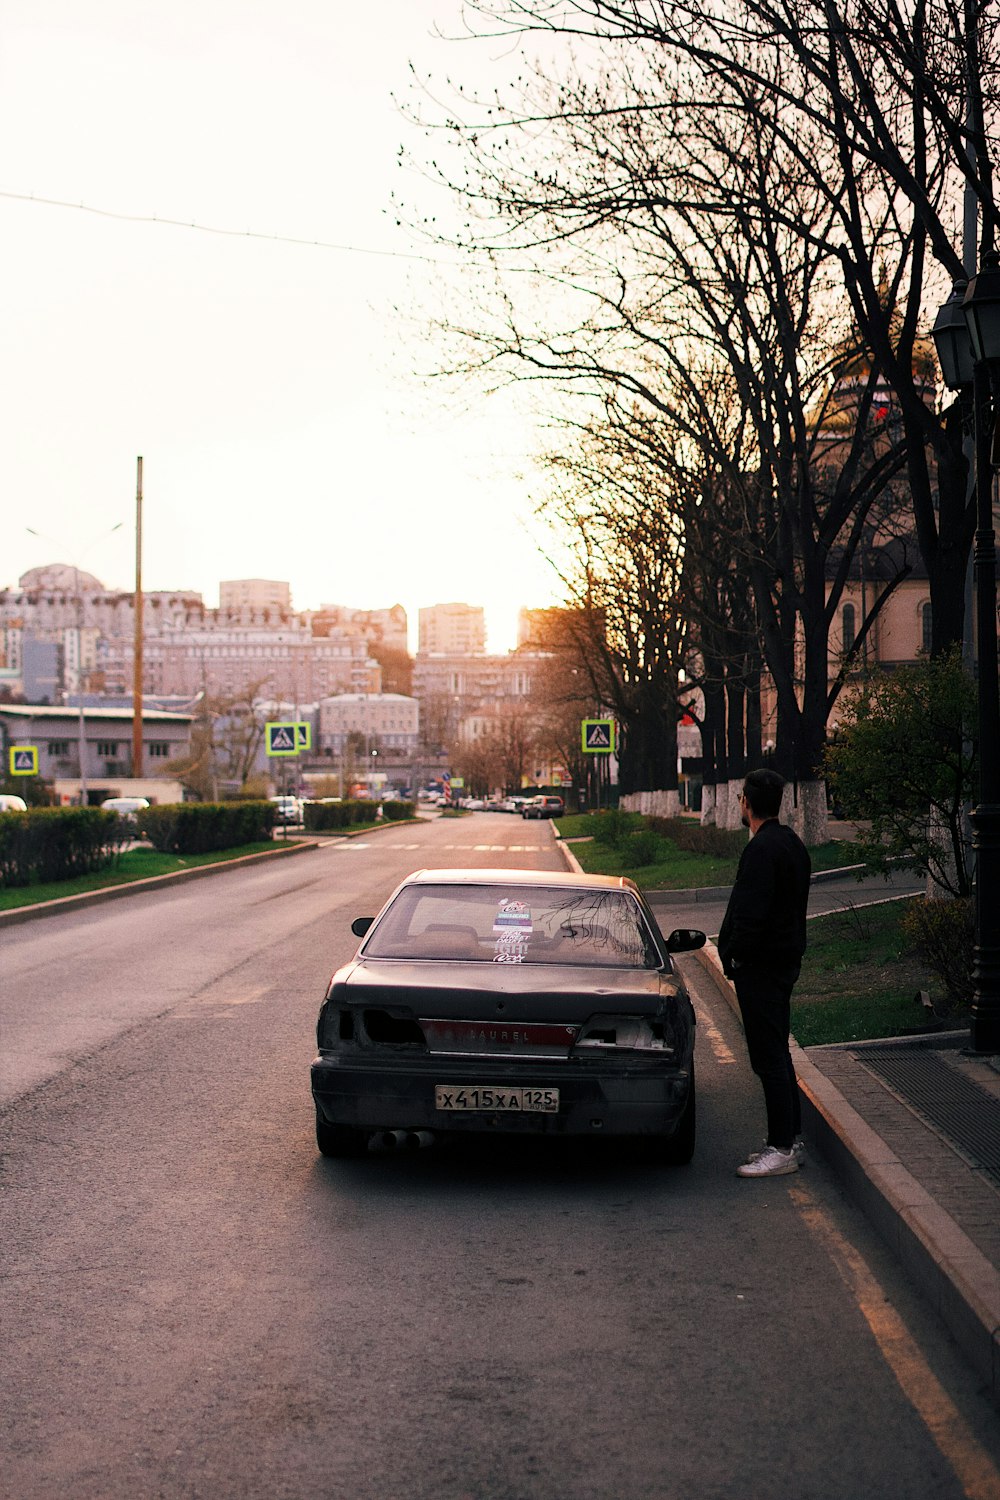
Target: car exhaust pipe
column 416, row 1140
column 390, row 1140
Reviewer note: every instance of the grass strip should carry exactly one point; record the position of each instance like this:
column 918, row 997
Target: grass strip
column 674, row 869
column 133, row 864
column 860, row 979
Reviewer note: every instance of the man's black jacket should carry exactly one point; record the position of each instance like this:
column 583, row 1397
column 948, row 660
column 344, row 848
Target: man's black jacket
column 765, row 921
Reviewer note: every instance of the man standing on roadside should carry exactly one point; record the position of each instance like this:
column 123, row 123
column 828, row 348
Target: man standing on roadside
column 761, row 943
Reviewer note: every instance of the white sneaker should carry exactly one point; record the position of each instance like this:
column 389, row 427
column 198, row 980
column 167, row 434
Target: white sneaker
column 769, row 1163
column 798, row 1151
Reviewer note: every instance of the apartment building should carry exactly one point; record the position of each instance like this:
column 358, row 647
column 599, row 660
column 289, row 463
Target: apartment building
column 452, row 629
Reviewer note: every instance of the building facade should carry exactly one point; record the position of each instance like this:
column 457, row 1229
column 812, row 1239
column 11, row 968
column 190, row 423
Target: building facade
column 254, row 594
column 453, row 629
column 105, row 736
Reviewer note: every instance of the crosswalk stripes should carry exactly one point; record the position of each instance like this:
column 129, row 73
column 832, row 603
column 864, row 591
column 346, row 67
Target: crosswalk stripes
column 452, row 848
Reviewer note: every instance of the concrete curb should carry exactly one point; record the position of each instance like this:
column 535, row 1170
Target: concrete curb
column 953, row 1275
column 151, row 883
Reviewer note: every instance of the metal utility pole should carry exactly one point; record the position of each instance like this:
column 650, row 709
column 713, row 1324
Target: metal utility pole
column 137, row 769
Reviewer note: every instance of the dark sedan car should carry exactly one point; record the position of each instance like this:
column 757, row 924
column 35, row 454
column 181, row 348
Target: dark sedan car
column 509, row 1000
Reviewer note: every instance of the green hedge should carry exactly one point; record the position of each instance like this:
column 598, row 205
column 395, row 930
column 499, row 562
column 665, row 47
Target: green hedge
column 57, row 843
column 394, row 811
column 319, row 817
column 204, row 827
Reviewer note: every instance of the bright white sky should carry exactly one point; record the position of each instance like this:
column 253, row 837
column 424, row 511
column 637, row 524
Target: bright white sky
column 270, row 388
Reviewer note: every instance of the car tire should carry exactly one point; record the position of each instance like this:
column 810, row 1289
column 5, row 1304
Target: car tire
column 678, row 1149
column 340, row 1140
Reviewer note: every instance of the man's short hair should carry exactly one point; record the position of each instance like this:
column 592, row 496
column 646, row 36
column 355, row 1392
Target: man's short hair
column 763, row 790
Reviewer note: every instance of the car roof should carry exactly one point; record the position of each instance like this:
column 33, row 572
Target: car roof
column 521, row 877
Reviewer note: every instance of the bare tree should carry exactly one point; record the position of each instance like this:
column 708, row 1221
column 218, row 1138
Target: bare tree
column 905, row 102
column 745, row 196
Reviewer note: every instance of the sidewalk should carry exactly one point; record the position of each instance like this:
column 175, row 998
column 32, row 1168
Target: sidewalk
column 911, row 1127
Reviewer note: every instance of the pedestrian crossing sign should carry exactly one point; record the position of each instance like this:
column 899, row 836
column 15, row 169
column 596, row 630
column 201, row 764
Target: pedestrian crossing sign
column 598, row 736
column 24, row 760
column 303, row 734
column 281, row 739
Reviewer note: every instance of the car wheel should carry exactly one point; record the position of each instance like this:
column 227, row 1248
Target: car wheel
column 678, row 1149
column 340, row 1140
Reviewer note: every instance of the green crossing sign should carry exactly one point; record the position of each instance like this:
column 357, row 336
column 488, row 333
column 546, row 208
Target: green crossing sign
column 598, row 736
column 24, row 760
column 281, row 739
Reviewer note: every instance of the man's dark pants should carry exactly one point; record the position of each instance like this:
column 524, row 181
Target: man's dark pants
column 764, row 997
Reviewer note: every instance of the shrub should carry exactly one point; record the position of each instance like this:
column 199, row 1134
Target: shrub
column 943, row 933
column 903, row 764
column 641, row 848
column 204, row 827
column 697, row 838
column 56, row 843
column 611, row 827
column 397, row 810
column 320, row 816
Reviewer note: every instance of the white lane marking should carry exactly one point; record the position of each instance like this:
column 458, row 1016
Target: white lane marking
column 716, row 1040
column 452, row 848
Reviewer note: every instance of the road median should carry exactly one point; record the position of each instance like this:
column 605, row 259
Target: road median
column 81, row 899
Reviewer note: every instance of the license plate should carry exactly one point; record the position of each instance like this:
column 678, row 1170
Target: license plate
column 478, row 1099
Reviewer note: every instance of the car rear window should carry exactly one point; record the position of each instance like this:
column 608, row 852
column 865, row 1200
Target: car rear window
column 514, row 924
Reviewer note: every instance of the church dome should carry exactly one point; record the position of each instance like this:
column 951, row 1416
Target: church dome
column 61, row 577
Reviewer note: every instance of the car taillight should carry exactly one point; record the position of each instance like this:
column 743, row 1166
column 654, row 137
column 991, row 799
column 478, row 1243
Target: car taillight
column 624, row 1033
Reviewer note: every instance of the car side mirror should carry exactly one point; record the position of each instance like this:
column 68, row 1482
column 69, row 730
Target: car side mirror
column 360, row 926
column 685, row 939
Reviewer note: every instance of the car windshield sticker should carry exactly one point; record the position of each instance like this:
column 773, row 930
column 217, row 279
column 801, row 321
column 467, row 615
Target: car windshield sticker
column 512, row 929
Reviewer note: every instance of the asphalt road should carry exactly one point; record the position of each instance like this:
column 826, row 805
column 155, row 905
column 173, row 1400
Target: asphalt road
column 195, row 1304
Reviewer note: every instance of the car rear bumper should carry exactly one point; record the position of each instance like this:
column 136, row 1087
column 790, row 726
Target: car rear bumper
column 642, row 1101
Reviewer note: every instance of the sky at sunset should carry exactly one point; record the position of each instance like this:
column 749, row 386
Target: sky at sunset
column 274, row 393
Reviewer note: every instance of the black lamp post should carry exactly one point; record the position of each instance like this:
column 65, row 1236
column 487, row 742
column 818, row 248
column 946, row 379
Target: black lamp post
column 965, row 361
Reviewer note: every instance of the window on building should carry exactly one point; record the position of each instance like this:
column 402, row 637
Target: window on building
column 108, row 748
column 848, row 628
column 59, row 748
column 158, row 750
column 926, row 628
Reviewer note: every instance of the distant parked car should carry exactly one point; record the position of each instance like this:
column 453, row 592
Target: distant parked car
column 10, row 803
column 512, row 804
column 543, row 807
column 287, row 809
column 127, row 808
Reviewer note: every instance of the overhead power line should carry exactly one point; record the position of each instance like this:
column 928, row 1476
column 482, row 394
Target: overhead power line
column 242, row 234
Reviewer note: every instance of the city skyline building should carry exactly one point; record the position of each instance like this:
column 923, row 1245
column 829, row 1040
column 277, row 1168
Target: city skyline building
column 452, row 629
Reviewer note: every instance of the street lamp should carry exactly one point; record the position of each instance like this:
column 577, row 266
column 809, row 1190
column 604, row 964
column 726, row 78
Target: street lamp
column 980, row 307
column 952, row 341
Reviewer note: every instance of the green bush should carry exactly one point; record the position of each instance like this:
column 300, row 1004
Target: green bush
column 395, row 811
column 613, row 826
column 903, row 764
column 943, row 933
column 641, row 849
column 56, row 843
column 204, row 827
column 318, row 817
column 697, row 838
